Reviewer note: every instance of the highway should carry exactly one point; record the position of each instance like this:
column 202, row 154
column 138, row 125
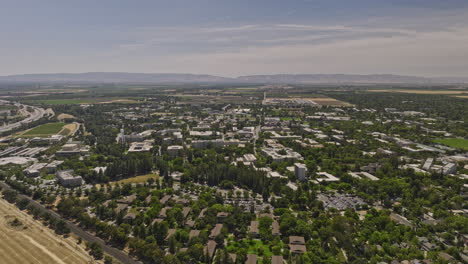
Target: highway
column 114, row 252
column 37, row 114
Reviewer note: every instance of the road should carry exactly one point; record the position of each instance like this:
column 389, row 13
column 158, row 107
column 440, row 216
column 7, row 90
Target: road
column 114, row 252
column 37, row 114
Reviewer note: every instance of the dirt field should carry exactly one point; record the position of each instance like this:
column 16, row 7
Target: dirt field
column 31, row 242
column 418, row 91
column 462, row 96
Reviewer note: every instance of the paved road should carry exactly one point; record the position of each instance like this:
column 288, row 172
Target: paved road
column 37, row 114
column 114, row 252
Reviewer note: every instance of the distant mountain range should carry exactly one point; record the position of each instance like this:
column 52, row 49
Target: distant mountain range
column 123, row 77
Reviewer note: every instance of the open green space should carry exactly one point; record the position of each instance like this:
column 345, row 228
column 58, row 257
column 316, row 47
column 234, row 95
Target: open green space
column 454, row 142
column 45, row 130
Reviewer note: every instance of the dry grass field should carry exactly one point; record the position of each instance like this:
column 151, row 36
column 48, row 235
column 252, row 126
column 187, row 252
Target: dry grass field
column 69, row 129
column 65, row 116
column 28, row 241
column 324, row 101
column 330, row 102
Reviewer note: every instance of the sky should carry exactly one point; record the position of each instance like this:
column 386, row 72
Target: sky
column 236, row 37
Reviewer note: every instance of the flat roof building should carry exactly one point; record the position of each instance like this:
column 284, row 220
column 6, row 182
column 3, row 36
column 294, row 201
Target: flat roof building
column 67, row 179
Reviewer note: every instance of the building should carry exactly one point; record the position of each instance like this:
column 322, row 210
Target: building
column 254, row 229
column 277, row 260
column 210, row 249
column 67, row 179
column 297, row 245
column 73, row 148
column 300, row 171
column 174, row 151
column 275, row 228
column 34, row 170
column 144, row 146
column 216, row 231
column 251, row 259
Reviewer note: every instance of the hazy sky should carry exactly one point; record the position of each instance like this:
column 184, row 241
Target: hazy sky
column 235, row 37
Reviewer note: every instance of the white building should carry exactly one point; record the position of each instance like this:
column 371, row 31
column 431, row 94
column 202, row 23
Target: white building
column 300, row 171
column 67, row 179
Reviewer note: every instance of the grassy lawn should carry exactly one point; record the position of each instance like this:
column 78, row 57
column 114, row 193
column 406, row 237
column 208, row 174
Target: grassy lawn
column 254, row 246
column 49, row 177
column 454, row 142
column 44, row 130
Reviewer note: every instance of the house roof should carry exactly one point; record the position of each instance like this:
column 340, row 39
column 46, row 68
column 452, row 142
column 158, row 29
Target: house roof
column 254, row 227
column 296, row 240
column 210, row 248
column 277, row 260
column 216, row 230
column 300, row 249
column 251, row 259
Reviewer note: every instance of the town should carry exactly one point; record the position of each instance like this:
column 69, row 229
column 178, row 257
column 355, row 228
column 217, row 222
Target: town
column 272, row 174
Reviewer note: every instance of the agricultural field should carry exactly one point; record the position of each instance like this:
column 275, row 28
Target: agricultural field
column 26, row 240
column 44, row 130
column 85, row 101
column 211, row 99
column 454, row 142
column 418, row 91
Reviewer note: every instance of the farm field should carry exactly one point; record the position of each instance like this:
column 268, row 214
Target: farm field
column 44, row 130
column 416, row 91
column 454, row 142
column 31, row 242
column 85, row 101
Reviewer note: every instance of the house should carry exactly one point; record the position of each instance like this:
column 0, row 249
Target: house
column 296, row 240
column 128, row 200
column 251, row 259
column 297, row 249
column 210, row 249
column 277, row 260
column 194, row 233
column 170, row 233
column 216, row 231
column 163, row 212
column 186, row 211
column 275, row 228
column 190, row 223
column 254, row 229
column 129, row 217
column 221, row 216
column 165, row 199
